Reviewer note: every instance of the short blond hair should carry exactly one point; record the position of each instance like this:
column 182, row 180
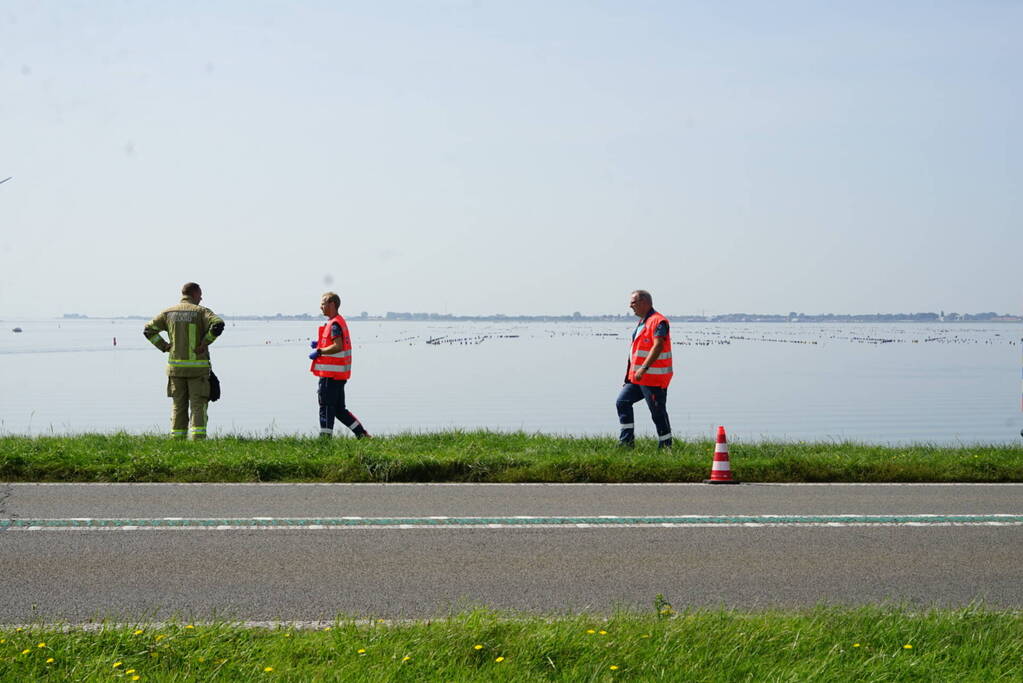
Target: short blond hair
column 331, row 296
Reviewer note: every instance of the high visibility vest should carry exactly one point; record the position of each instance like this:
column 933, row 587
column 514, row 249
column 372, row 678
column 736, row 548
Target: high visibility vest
column 337, row 365
column 660, row 371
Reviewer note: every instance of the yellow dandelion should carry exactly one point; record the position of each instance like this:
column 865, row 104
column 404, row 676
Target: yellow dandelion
column 18, row 630
column 614, row 667
column 202, row 659
column 907, row 646
column 117, row 664
column 477, row 647
column 41, row 645
column 381, row 621
column 139, row 632
column 50, row 660
column 645, row 635
column 160, row 637
column 2, row 641
column 130, row 671
column 190, row 626
column 326, row 628
column 590, row 631
column 856, row 644
column 267, row 669
column 287, row 635
column 499, row 659
column 25, row 651
column 361, row 651
column 603, row 633
column 405, row 658
column 136, row 677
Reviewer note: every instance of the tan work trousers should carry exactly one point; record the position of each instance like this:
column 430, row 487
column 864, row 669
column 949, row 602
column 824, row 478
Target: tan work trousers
column 188, row 392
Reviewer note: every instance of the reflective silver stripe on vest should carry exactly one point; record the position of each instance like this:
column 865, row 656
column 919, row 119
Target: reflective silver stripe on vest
column 644, row 354
column 655, row 371
column 324, row 367
column 339, row 354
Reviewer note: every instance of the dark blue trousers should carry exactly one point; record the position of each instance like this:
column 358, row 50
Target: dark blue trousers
column 331, row 396
column 656, row 399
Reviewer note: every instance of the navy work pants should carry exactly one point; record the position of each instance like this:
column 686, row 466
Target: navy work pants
column 331, row 395
column 656, row 399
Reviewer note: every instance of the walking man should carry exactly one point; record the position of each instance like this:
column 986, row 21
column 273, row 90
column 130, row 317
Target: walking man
column 192, row 328
column 648, row 373
column 332, row 363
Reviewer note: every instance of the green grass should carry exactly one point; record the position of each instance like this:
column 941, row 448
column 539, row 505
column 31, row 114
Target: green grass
column 824, row 644
column 484, row 457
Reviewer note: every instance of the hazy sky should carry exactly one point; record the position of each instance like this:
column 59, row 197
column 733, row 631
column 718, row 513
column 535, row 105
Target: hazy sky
column 516, row 157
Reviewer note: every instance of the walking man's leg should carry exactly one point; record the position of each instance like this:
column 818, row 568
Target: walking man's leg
column 629, row 394
column 345, row 416
column 325, row 395
column 657, row 401
column 177, row 390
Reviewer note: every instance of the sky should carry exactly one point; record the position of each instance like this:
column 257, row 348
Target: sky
column 527, row 157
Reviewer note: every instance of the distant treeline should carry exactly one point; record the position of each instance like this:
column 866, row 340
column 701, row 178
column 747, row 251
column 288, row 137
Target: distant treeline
column 793, row 317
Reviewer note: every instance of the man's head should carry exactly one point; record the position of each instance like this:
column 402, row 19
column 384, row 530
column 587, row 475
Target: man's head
column 329, row 304
column 193, row 291
column 641, row 302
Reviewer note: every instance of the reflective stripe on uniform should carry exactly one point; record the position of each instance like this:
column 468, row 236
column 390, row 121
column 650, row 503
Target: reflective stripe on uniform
column 664, row 437
column 192, row 333
column 655, row 371
column 631, row 425
column 155, row 338
column 188, row 363
column 326, row 367
column 325, row 430
column 643, row 354
column 339, row 354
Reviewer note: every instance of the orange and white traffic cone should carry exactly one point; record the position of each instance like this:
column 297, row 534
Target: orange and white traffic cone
column 721, row 470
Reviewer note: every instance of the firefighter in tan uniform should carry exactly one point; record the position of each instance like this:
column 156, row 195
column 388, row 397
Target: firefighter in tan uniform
column 192, row 328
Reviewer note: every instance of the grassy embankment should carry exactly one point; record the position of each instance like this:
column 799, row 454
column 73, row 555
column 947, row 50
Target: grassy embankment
column 484, row 457
column 839, row 644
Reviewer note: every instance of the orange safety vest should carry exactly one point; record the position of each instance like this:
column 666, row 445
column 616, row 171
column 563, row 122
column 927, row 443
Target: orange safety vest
column 659, row 373
column 336, row 365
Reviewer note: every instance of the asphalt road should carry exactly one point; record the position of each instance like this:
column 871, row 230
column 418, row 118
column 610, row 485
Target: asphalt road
column 270, row 572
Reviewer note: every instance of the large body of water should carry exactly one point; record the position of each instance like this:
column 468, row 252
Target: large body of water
column 946, row 384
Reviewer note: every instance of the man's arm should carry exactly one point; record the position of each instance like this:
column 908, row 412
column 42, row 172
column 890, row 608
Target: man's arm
column 152, row 332
column 655, row 351
column 337, row 334
column 215, row 325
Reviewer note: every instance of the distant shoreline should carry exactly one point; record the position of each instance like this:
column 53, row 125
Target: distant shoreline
column 899, row 318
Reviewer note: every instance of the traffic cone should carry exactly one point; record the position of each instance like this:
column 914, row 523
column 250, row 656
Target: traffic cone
column 721, row 470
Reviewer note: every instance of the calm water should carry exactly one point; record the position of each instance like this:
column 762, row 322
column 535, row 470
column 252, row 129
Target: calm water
column 873, row 383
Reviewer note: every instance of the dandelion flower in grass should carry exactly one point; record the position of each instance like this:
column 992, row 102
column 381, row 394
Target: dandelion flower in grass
column 907, row 646
column 117, row 664
column 499, row 659
column 603, row 633
column 405, row 658
column 287, row 635
column 41, row 645
column 160, row 637
column 50, row 660
column 25, row 651
column 136, row 677
column 130, row 671
column 590, row 631
column 614, row 667
column 139, row 632
column 477, row 647
column 856, row 644
column 267, row 669
column 361, row 651
column 190, row 626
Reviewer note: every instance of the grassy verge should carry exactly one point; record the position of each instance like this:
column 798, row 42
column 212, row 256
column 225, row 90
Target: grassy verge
column 840, row 644
column 485, row 457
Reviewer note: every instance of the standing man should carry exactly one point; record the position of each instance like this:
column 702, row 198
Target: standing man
column 648, row 373
column 192, row 328
column 332, row 363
